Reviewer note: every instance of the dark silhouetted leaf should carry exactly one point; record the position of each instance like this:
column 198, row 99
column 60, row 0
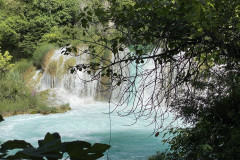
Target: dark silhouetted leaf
column 15, row 144
column 99, row 148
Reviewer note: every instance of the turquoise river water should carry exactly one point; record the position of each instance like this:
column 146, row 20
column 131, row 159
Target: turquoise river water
column 89, row 122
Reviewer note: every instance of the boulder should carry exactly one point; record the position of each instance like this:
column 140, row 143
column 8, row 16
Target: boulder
column 1, row 118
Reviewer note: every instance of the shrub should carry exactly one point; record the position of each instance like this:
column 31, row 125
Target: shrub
column 50, row 38
column 5, row 61
column 22, row 66
column 12, row 85
column 75, row 43
column 16, row 98
column 42, row 55
column 14, row 95
column 60, row 36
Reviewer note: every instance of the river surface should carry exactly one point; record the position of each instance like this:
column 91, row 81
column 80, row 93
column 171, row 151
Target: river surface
column 88, row 121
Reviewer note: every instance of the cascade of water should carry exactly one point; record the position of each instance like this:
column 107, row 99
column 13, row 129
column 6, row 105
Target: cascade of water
column 57, row 80
column 124, row 70
column 63, row 86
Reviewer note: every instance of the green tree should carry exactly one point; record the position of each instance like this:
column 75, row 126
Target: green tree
column 5, row 61
column 24, row 23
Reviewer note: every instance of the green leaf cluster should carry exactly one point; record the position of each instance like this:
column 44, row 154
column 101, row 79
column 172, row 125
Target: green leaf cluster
column 5, row 61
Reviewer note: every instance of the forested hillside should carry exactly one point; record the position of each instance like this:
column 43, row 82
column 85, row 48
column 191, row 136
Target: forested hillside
column 26, row 25
column 29, row 30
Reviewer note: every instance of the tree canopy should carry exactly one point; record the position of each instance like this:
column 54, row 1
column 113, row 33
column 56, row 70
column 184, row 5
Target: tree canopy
column 183, row 40
column 193, row 47
column 26, row 24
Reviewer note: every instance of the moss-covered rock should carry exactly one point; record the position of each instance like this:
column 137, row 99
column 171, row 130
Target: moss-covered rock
column 44, row 95
column 69, row 63
column 52, row 68
column 29, row 74
column 60, row 61
column 47, row 59
column 104, row 95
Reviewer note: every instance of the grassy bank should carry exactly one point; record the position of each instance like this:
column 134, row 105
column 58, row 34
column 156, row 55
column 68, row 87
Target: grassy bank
column 17, row 96
column 37, row 110
column 29, row 106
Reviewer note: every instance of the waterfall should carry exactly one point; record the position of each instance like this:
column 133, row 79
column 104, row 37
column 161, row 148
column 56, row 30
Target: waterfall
column 61, row 85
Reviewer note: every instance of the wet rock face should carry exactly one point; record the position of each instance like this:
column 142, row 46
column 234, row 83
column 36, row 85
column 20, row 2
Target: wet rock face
column 1, row 118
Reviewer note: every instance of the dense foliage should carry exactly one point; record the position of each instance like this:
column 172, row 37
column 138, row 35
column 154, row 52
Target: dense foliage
column 216, row 121
column 26, row 24
column 194, row 48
